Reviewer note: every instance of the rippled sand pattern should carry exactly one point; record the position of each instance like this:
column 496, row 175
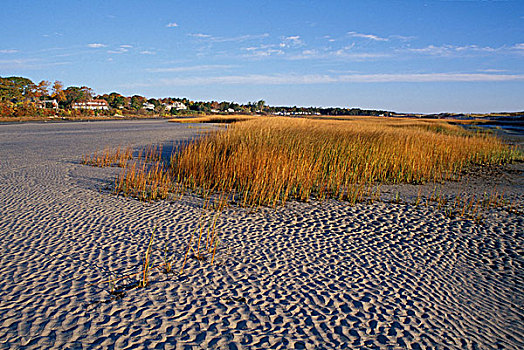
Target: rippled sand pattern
column 315, row 276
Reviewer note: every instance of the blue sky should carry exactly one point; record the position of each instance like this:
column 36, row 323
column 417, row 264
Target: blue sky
column 408, row 56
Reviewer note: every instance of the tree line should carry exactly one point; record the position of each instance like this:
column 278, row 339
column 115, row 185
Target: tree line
column 19, row 97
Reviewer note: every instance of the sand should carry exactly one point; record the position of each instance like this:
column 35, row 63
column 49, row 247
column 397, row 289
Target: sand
column 309, row 275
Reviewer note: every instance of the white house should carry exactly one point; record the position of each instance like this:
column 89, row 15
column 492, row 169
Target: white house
column 176, row 105
column 93, row 104
column 149, row 106
column 47, row 104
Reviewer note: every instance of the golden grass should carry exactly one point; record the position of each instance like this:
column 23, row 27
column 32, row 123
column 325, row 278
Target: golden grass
column 108, row 157
column 270, row 160
column 215, row 119
column 267, row 161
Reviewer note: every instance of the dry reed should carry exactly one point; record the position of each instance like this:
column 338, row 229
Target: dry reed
column 270, row 160
column 109, row 157
column 215, row 119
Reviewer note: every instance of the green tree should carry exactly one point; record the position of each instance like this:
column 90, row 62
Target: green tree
column 77, row 94
column 15, row 88
column 137, row 102
column 260, row 105
column 116, row 100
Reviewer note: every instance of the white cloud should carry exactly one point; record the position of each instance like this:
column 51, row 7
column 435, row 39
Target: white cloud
column 310, row 52
column 218, row 39
column 96, row 45
column 172, row 25
column 29, row 64
column 402, row 37
column 126, row 46
column 366, row 36
column 147, row 52
column 518, row 46
column 200, row 35
column 345, row 53
column 293, row 79
column 120, row 50
column 8, row 51
column 291, row 41
column 490, row 70
column 448, row 50
column 263, row 52
column 189, row 68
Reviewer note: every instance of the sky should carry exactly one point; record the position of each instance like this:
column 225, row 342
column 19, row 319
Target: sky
column 418, row 56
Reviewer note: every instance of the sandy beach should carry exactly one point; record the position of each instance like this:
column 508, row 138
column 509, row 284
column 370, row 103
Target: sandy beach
column 317, row 275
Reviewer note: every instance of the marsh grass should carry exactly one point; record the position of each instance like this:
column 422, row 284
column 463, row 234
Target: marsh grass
column 109, row 157
column 145, row 181
column 268, row 161
column 215, row 119
column 465, row 205
column 204, row 247
column 204, row 250
column 144, row 275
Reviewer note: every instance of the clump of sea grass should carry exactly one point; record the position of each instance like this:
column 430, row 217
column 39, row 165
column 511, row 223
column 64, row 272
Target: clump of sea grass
column 109, row 157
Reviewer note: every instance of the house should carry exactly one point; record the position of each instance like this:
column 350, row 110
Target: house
column 47, row 104
column 149, row 106
column 176, row 105
column 230, row 110
column 93, row 104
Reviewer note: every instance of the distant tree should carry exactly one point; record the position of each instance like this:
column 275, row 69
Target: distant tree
column 41, row 89
column 115, row 100
column 137, row 102
column 154, row 101
column 77, row 94
column 57, row 91
column 260, row 105
column 15, row 88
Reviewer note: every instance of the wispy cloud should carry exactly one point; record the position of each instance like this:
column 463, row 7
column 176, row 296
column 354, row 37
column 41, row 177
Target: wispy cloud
column 200, row 35
column 147, row 52
column 96, row 45
column 8, row 51
column 448, row 50
column 120, row 50
column 491, row 70
column 262, row 51
column 344, row 53
column 366, row 36
column 402, row 37
column 172, row 25
column 291, row 41
column 219, row 39
column 189, row 68
column 29, row 64
column 329, row 38
column 299, row 79
column 117, row 51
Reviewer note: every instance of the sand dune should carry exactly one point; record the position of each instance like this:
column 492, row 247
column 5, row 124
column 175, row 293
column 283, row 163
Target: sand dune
column 310, row 275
